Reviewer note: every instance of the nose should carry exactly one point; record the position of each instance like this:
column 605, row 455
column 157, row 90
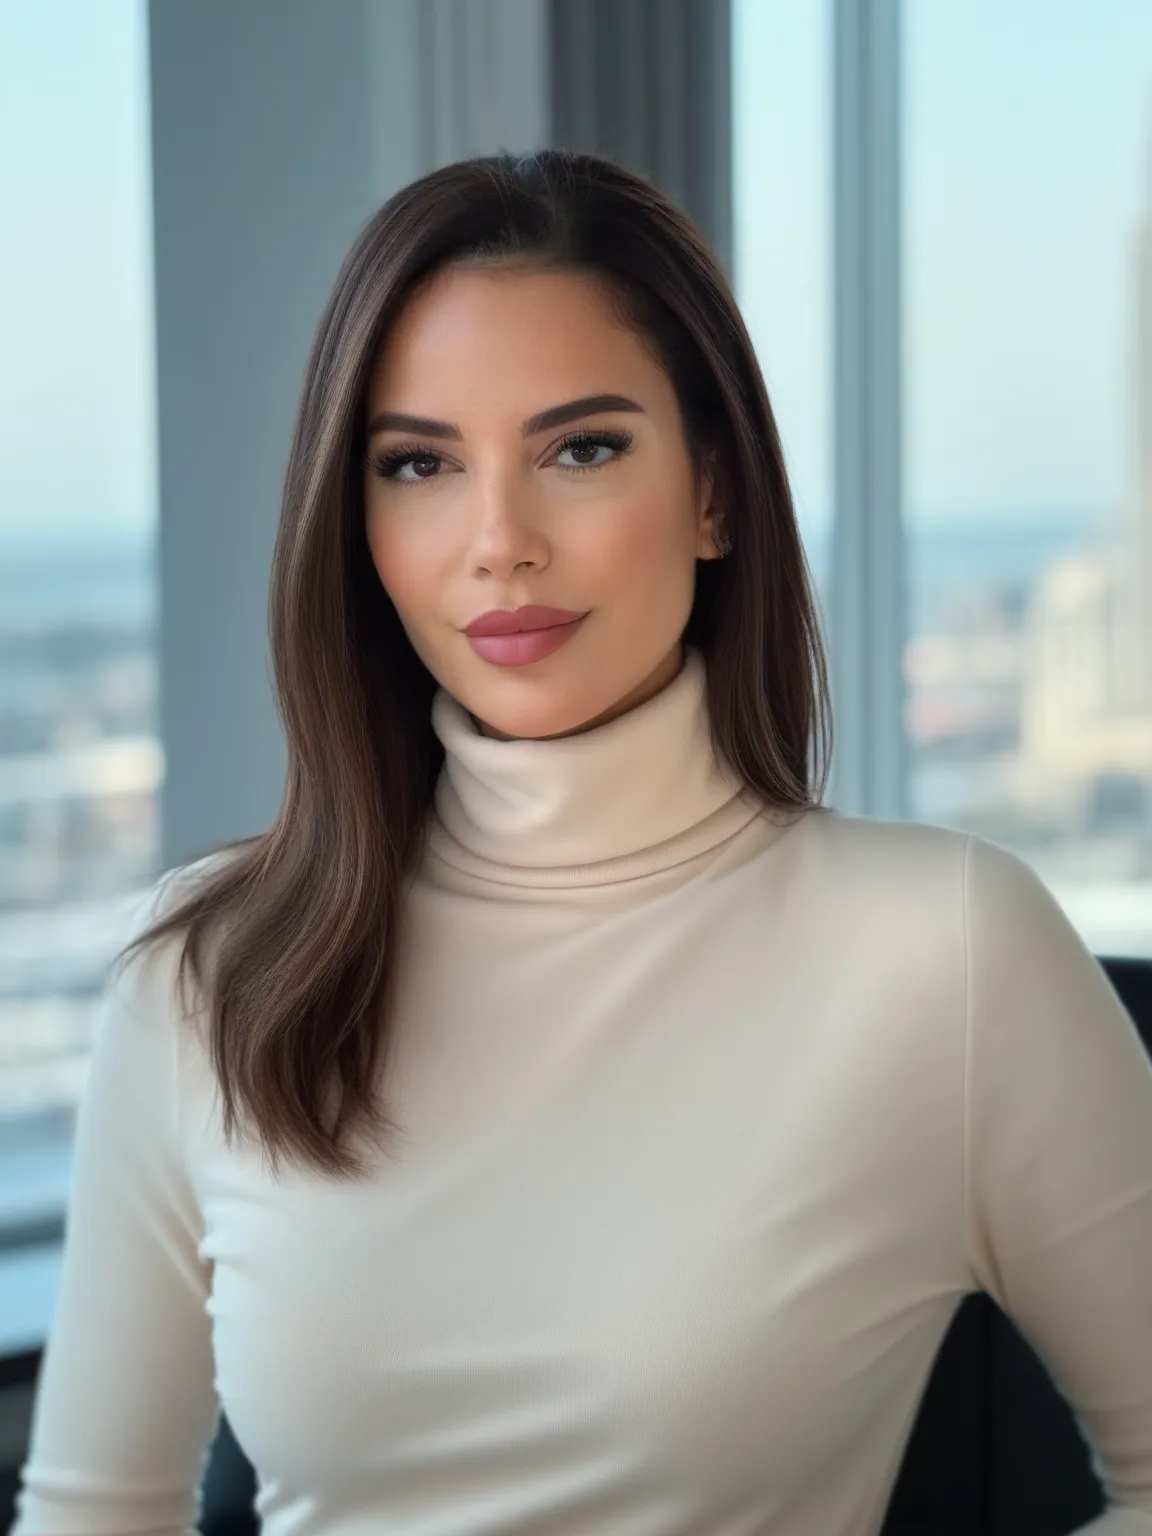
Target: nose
column 506, row 532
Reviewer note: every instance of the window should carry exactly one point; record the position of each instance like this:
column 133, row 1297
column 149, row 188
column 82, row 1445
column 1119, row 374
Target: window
column 781, row 200
column 80, row 762
column 1028, row 439
column 1026, row 390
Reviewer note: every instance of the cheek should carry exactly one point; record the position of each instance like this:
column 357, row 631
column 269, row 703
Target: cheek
column 378, row 549
column 409, row 587
column 651, row 539
column 398, row 565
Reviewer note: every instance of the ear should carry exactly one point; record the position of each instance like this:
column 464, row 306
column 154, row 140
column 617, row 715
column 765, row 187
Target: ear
column 708, row 520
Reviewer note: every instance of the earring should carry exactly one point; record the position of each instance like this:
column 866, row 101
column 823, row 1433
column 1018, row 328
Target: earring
column 724, row 548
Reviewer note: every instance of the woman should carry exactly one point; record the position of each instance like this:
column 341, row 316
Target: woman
column 573, row 1125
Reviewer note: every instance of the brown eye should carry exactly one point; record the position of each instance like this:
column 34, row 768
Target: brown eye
column 424, row 467
column 580, row 449
column 580, row 443
column 388, row 465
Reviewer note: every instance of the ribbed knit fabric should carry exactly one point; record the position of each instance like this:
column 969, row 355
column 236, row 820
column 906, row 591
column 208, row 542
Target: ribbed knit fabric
column 710, row 1119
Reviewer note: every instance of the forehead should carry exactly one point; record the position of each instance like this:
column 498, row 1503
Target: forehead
column 501, row 329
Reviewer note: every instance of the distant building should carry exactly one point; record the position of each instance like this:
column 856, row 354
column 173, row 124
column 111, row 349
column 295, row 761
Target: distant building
column 1086, row 720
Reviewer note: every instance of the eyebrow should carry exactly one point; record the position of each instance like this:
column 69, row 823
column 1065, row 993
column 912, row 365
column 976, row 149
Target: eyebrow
column 554, row 416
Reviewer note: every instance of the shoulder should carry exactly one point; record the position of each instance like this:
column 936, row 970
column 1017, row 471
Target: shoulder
column 910, row 881
column 875, row 856
column 916, row 882
column 182, row 881
column 147, row 977
column 877, row 897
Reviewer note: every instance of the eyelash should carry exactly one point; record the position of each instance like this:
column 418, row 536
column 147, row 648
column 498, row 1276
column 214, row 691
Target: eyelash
column 386, row 465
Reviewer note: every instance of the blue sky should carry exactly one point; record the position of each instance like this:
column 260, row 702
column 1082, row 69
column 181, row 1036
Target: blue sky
column 76, row 366
column 1028, row 156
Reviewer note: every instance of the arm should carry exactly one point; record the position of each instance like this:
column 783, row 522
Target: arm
column 1058, row 1163
column 125, row 1403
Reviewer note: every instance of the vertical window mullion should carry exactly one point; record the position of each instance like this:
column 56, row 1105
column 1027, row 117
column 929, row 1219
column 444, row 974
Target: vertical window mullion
column 868, row 602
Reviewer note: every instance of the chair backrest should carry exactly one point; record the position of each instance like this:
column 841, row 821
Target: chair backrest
column 228, row 1491
column 994, row 1450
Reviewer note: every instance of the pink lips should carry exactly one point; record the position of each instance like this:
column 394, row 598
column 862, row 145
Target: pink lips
column 505, row 621
column 513, row 639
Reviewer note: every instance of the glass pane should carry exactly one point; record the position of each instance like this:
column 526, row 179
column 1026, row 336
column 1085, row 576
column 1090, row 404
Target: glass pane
column 1028, row 439
column 781, row 168
column 80, row 760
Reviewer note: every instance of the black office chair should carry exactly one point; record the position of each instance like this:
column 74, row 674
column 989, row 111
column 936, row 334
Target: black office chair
column 994, row 1451
column 228, row 1489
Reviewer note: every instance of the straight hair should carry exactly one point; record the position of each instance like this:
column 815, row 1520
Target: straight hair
column 291, row 935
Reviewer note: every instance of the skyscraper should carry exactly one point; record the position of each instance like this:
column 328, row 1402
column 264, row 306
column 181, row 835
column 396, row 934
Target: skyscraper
column 1137, row 619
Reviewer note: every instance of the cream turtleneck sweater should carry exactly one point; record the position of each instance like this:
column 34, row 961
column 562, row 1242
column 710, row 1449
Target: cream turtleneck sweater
column 710, row 1120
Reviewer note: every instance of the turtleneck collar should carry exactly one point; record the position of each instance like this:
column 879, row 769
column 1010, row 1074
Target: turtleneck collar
column 640, row 793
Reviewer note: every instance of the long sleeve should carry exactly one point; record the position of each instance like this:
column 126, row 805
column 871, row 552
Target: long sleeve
column 125, row 1404
column 1059, row 1167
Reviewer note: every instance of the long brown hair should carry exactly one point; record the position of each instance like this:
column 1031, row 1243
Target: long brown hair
column 293, row 936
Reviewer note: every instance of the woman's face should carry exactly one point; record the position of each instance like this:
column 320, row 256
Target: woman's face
column 476, row 507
